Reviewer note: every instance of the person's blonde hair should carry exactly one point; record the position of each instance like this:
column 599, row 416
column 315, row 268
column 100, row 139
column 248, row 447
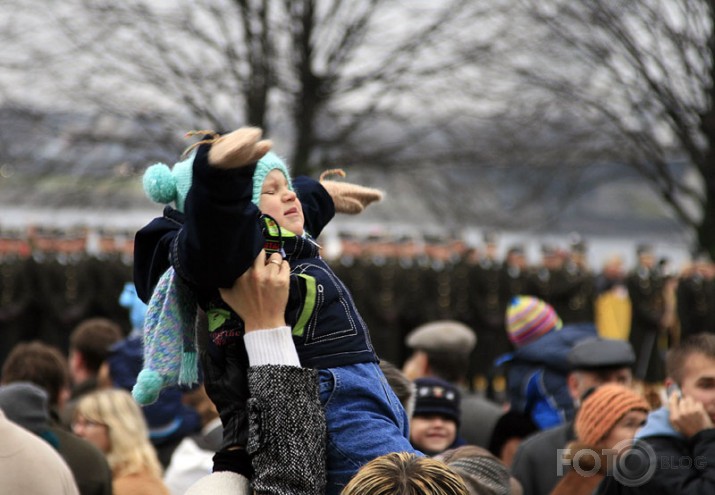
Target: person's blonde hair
column 130, row 450
column 403, row 473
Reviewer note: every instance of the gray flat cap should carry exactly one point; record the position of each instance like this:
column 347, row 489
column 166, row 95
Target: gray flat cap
column 601, row 353
column 442, row 336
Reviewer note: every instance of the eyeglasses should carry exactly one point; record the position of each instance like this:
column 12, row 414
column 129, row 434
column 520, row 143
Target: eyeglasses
column 86, row 423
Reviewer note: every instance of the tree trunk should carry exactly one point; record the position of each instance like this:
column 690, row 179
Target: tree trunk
column 706, row 229
column 308, row 98
column 259, row 51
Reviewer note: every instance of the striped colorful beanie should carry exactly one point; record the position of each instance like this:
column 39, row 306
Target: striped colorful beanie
column 601, row 410
column 528, row 318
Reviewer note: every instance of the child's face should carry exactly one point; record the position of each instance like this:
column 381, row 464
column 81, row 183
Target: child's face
column 281, row 203
column 433, row 433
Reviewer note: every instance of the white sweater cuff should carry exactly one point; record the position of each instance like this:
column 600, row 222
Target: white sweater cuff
column 273, row 346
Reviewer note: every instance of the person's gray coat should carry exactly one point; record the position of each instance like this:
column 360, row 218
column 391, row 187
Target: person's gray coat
column 537, row 459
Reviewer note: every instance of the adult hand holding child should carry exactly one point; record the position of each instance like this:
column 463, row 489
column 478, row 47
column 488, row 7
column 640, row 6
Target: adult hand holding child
column 260, row 296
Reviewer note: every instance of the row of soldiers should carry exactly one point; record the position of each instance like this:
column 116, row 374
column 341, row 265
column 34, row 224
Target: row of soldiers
column 45, row 297
column 397, row 286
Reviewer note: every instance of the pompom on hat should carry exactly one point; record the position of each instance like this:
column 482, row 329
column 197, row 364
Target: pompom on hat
column 601, row 410
column 166, row 185
column 529, row 318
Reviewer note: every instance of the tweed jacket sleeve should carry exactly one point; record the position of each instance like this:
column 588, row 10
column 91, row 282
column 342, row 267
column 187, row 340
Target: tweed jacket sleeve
column 287, row 431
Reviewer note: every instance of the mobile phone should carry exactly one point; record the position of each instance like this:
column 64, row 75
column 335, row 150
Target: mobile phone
column 673, row 388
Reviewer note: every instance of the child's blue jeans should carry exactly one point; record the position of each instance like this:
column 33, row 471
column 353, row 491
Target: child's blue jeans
column 364, row 417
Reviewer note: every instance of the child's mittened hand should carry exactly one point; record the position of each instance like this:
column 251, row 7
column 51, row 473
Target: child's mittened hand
column 239, row 148
column 349, row 198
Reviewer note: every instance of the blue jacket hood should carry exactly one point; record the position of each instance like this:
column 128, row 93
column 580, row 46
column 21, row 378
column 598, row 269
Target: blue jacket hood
column 552, row 349
column 658, row 425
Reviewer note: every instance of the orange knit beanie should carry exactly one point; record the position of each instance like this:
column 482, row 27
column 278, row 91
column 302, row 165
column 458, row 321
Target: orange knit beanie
column 601, row 410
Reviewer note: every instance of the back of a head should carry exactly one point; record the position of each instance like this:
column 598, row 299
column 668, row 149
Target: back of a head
column 93, row 338
column 403, row 473
column 38, row 363
column 482, row 472
column 25, row 404
column 448, row 344
column 511, row 425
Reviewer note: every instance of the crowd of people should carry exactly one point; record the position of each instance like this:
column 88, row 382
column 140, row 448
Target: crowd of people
column 242, row 361
column 47, row 287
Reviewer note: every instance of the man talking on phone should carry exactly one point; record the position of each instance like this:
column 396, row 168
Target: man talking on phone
column 674, row 453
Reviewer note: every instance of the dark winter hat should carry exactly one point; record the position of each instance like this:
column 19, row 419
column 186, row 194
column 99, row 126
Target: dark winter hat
column 436, row 396
column 125, row 361
column 25, row 403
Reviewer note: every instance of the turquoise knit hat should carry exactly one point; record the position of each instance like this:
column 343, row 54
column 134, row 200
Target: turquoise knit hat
column 269, row 162
column 164, row 185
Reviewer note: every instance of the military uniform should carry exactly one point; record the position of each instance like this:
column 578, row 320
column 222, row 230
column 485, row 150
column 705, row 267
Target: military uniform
column 378, row 306
column 645, row 288
column 696, row 304
column 578, row 295
column 514, row 274
column 19, row 303
column 489, row 296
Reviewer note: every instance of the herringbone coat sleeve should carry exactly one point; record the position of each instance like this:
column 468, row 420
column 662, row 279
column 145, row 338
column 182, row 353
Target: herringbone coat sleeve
column 287, row 431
